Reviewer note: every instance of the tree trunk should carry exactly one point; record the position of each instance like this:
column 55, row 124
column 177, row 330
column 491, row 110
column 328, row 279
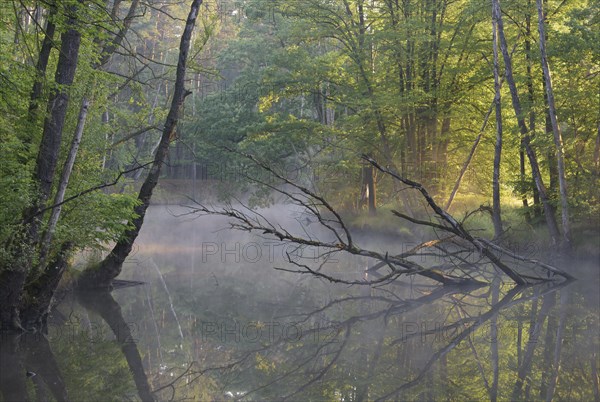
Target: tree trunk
column 110, row 267
column 534, row 333
column 553, row 380
column 537, row 210
column 465, row 166
column 12, row 278
column 531, row 99
column 40, row 360
column 597, row 152
column 13, row 386
column 526, row 141
column 522, row 177
column 370, row 189
column 473, row 147
column 42, row 64
column 64, row 181
column 496, row 212
column 547, row 354
column 494, row 342
column 40, row 291
column 48, row 154
column 594, row 374
column 558, row 142
column 107, row 307
column 553, row 187
column 110, row 48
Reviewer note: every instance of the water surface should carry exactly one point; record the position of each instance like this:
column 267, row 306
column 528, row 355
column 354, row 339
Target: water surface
column 214, row 321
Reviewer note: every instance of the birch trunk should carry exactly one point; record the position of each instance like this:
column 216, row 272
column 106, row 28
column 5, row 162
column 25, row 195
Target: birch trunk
column 525, row 139
column 597, row 152
column 64, row 181
column 531, row 100
column 496, row 211
column 558, row 142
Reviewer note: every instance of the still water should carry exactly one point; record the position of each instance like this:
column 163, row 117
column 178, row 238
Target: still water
column 213, row 320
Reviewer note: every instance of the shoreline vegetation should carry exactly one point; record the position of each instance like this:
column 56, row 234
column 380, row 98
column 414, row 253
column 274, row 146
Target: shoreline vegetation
column 519, row 231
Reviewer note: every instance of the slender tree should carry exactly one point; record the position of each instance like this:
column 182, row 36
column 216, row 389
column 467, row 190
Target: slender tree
column 558, row 142
column 496, row 212
column 525, row 138
column 107, row 51
column 532, row 115
column 110, row 267
column 64, row 181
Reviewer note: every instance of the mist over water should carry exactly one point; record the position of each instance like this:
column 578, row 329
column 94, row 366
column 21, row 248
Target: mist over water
column 213, row 320
column 113, row 108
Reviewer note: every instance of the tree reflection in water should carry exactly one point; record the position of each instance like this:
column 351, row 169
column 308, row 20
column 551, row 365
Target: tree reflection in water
column 387, row 343
column 102, row 303
column 24, row 357
column 29, row 356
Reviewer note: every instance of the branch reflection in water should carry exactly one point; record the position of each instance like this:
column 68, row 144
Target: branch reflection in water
column 210, row 329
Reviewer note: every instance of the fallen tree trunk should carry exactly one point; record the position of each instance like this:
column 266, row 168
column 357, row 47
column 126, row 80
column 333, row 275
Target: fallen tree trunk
column 400, row 264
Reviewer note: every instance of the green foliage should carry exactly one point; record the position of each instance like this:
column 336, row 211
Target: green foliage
column 95, row 220
column 15, row 186
column 124, row 96
column 391, row 87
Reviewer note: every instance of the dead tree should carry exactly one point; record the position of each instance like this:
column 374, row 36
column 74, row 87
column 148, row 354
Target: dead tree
column 457, row 268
